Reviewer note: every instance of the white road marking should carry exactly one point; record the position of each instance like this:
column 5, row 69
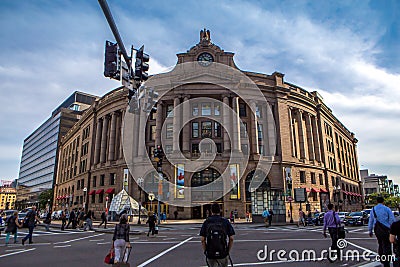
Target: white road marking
column 62, row 246
column 169, row 238
column 17, row 252
column 77, row 239
column 12, row 250
column 365, row 249
column 96, row 240
column 104, row 243
column 164, row 252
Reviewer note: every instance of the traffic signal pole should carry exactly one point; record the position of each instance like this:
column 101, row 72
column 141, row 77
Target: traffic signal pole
column 113, row 26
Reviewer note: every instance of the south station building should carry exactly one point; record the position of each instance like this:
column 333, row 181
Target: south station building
column 310, row 148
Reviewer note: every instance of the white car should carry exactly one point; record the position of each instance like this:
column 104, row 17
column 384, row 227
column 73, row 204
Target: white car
column 342, row 216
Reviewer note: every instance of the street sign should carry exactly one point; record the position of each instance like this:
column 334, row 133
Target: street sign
column 300, row 195
column 289, row 198
column 151, row 196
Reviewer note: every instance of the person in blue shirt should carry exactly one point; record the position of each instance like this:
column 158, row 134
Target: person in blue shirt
column 380, row 220
column 265, row 215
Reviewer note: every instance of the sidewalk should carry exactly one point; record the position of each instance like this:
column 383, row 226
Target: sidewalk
column 143, row 227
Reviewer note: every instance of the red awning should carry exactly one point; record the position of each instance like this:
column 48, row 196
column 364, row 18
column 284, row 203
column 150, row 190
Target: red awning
column 323, row 190
column 110, row 191
column 315, row 190
column 345, row 192
column 100, row 191
column 92, row 192
column 307, row 189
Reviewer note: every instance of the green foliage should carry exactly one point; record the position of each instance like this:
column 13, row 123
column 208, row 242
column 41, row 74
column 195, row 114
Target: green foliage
column 390, row 201
column 44, row 197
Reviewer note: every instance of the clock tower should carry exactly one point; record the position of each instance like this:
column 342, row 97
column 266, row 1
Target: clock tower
column 205, row 52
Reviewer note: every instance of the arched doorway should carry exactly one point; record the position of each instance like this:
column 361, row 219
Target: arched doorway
column 153, row 185
column 205, row 187
column 264, row 197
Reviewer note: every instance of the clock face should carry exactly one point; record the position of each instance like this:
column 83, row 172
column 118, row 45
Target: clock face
column 205, row 59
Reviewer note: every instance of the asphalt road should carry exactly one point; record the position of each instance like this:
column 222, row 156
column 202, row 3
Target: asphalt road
column 179, row 245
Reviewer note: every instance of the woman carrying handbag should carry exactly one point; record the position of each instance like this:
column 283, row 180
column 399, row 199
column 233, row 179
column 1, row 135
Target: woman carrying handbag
column 121, row 241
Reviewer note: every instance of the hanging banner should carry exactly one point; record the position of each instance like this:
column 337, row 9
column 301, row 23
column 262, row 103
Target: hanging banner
column 126, row 177
column 180, row 181
column 234, row 171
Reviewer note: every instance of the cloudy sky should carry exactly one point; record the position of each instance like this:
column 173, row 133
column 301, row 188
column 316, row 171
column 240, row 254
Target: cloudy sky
column 347, row 50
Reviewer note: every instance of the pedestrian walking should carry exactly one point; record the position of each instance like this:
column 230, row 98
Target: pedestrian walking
column 121, row 239
column 31, row 218
column 271, row 213
column 232, row 217
column 12, row 227
column 89, row 221
column 81, row 218
column 301, row 218
column 247, row 216
column 71, row 219
column 332, row 222
column 380, row 220
column 103, row 219
column 63, row 219
column 265, row 215
column 394, row 238
column 217, row 238
column 152, row 223
column 176, row 214
column 47, row 221
column 164, row 217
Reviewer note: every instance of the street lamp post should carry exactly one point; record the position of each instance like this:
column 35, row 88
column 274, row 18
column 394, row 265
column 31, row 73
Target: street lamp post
column 84, row 198
column 336, row 190
column 140, row 184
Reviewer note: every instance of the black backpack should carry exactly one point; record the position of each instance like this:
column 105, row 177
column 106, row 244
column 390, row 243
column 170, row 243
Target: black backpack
column 216, row 244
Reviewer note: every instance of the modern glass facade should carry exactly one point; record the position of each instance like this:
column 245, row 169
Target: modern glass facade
column 39, row 156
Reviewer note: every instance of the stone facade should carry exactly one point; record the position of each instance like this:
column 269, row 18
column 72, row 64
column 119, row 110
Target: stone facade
column 313, row 149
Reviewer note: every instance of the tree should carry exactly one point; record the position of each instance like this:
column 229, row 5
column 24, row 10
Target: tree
column 390, row 201
column 44, row 197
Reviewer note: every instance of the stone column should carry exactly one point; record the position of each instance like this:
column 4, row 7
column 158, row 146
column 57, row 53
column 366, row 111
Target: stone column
column 271, row 131
column 118, row 136
column 159, row 122
column 236, row 125
column 136, row 130
column 317, row 141
column 186, row 127
column 292, row 135
column 176, row 125
column 98, row 141
column 301, row 134
column 254, row 129
column 227, row 124
column 310, row 139
column 111, row 144
column 142, row 134
column 103, row 151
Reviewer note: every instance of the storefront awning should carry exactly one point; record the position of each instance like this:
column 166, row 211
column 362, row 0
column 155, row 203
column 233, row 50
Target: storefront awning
column 307, row 189
column 100, row 191
column 110, row 191
column 92, row 192
column 323, row 190
column 315, row 190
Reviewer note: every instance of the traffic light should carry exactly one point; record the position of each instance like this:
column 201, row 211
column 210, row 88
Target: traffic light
column 112, row 61
column 141, row 65
column 131, row 93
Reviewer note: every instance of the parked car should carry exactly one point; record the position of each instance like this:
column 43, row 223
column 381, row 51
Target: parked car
column 56, row 215
column 357, row 218
column 8, row 213
column 22, row 215
column 43, row 215
column 318, row 218
column 342, row 216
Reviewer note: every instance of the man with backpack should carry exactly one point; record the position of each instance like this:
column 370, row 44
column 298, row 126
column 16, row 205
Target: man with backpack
column 31, row 219
column 380, row 220
column 214, row 233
